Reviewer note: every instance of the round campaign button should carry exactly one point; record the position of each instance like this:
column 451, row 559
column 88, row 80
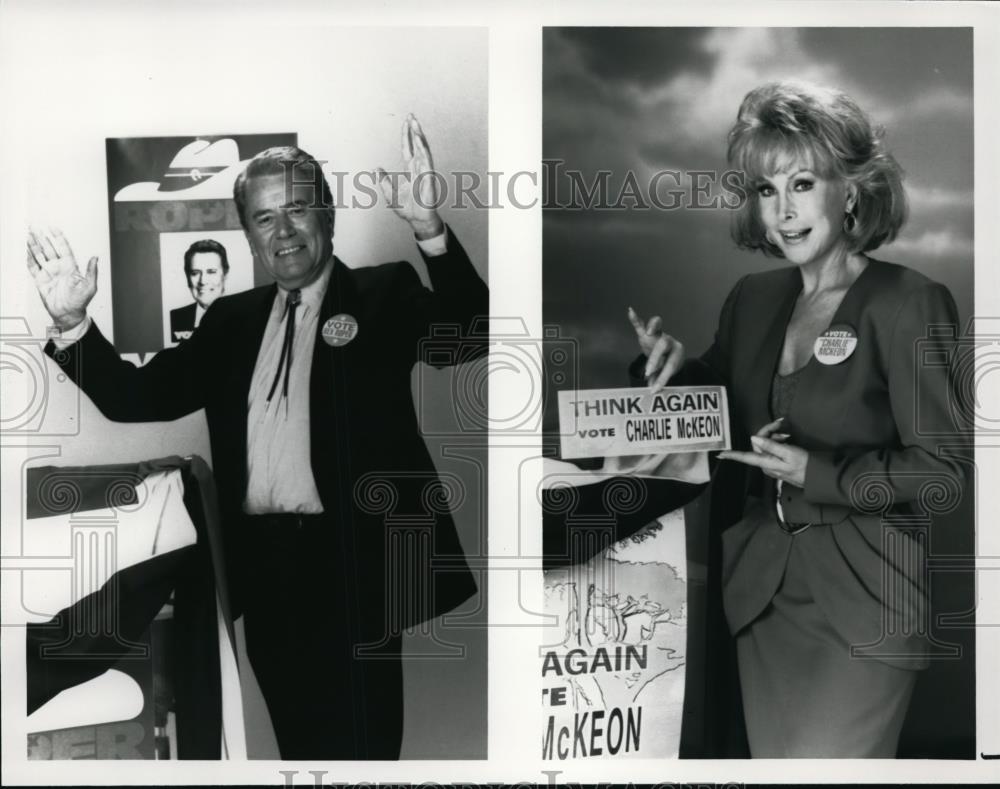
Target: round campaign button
column 340, row 330
column 836, row 344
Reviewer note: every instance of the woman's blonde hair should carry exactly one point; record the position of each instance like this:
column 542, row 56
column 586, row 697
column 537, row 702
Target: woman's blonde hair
column 785, row 122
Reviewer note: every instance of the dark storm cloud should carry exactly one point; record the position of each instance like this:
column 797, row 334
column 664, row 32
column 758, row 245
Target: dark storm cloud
column 897, row 63
column 667, row 152
column 645, row 56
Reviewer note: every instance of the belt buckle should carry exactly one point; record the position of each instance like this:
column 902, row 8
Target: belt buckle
column 788, row 528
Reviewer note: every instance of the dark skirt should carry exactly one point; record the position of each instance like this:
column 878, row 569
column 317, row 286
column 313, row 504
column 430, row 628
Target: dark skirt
column 804, row 694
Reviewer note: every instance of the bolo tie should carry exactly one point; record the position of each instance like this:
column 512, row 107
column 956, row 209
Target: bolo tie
column 292, row 301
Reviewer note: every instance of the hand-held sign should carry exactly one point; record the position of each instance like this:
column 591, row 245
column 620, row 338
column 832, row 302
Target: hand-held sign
column 773, row 456
column 64, row 290
column 415, row 198
column 664, row 353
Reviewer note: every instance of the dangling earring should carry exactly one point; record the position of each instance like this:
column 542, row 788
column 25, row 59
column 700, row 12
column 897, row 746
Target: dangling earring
column 850, row 220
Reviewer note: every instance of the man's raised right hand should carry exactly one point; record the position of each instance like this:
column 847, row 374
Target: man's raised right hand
column 64, row 290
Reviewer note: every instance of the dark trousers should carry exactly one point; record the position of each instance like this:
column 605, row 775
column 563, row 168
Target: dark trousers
column 305, row 623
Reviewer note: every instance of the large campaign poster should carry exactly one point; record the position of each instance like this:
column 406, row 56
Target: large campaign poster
column 165, row 194
column 613, row 668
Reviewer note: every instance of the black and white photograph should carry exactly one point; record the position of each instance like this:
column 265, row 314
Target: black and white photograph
column 239, row 539
column 787, row 213
column 475, row 394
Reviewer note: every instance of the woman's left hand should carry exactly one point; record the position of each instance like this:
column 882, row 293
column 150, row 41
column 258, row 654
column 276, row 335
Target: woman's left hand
column 773, row 456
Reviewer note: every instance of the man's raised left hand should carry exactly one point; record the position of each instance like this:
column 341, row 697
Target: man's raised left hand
column 415, row 198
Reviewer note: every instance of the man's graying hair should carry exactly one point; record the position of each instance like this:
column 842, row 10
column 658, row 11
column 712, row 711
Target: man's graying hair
column 297, row 166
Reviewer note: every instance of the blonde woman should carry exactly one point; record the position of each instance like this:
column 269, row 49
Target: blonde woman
column 824, row 598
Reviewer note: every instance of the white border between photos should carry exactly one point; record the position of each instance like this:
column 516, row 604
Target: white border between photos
column 515, row 112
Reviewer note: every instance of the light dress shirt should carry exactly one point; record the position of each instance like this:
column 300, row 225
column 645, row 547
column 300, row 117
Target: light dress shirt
column 279, row 471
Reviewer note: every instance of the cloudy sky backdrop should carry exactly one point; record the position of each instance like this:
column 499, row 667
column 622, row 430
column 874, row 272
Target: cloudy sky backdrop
column 651, row 99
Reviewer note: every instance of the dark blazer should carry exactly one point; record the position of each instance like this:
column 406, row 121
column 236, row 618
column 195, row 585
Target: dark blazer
column 372, row 468
column 884, row 448
column 182, row 320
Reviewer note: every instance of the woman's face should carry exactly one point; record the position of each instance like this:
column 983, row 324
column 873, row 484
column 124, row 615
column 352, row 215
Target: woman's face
column 803, row 213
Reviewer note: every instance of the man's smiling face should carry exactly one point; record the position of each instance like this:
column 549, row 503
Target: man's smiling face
column 290, row 235
column 206, row 278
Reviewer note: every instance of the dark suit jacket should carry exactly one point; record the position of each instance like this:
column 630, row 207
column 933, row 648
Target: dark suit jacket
column 372, row 468
column 182, row 320
column 878, row 428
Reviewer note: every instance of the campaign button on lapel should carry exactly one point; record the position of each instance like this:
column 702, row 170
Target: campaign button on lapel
column 836, row 344
column 340, row 330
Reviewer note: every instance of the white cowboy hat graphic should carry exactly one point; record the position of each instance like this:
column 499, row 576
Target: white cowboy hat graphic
column 201, row 170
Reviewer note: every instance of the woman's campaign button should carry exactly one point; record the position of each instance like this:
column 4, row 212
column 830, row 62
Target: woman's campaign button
column 340, row 330
column 836, row 344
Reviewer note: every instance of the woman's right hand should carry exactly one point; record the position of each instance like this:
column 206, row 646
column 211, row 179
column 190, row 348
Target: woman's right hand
column 664, row 354
column 64, row 290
